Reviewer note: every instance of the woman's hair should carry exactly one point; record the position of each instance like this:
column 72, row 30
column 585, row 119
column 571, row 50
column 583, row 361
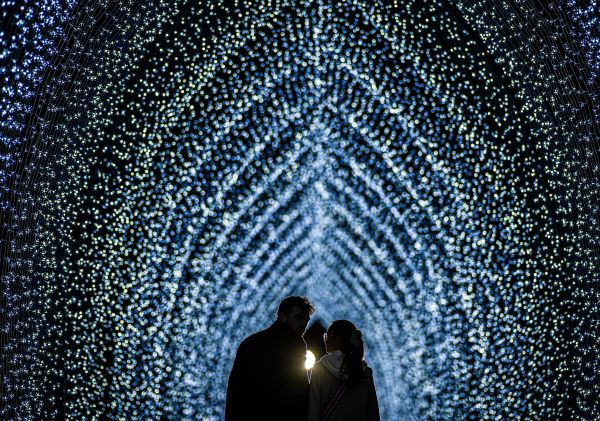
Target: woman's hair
column 353, row 348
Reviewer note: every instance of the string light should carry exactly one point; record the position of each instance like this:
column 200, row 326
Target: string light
column 427, row 170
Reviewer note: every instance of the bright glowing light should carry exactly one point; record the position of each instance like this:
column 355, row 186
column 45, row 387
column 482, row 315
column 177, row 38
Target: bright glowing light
column 170, row 170
column 310, row 360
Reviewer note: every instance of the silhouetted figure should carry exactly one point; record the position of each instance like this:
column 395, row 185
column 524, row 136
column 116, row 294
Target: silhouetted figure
column 314, row 339
column 341, row 384
column 268, row 380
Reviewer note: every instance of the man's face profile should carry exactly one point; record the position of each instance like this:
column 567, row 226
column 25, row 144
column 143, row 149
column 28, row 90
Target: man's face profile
column 297, row 319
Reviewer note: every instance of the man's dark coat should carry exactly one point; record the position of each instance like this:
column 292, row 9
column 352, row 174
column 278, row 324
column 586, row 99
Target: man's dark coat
column 268, row 380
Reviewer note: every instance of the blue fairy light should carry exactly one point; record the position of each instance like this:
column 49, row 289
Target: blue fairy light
column 427, row 170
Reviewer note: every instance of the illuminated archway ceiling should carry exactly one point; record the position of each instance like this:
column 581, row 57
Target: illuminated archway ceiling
column 398, row 163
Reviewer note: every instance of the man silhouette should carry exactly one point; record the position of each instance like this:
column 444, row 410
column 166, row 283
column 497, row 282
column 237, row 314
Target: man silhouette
column 268, row 380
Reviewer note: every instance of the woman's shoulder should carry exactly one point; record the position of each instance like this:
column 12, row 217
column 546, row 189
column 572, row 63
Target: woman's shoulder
column 320, row 370
column 317, row 366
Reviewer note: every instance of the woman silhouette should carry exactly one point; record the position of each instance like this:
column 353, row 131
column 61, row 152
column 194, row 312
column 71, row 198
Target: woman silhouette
column 341, row 385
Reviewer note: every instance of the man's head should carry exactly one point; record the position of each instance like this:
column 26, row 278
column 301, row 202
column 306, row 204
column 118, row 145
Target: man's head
column 295, row 312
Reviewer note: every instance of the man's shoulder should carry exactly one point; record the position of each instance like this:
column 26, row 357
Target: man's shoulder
column 257, row 338
column 273, row 336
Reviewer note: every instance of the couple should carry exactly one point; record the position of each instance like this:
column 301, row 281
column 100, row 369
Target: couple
column 269, row 380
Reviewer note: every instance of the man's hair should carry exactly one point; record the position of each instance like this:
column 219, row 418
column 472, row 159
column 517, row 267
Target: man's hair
column 288, row 303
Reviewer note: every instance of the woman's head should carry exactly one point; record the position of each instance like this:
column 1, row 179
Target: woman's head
column 344, row 336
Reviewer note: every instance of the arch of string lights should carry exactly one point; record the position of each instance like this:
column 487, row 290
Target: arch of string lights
column 427, row 169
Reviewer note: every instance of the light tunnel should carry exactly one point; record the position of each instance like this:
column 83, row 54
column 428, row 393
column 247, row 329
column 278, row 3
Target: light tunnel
column 426, row 169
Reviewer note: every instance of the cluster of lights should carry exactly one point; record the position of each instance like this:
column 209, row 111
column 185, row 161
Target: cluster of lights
column 427, row 170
